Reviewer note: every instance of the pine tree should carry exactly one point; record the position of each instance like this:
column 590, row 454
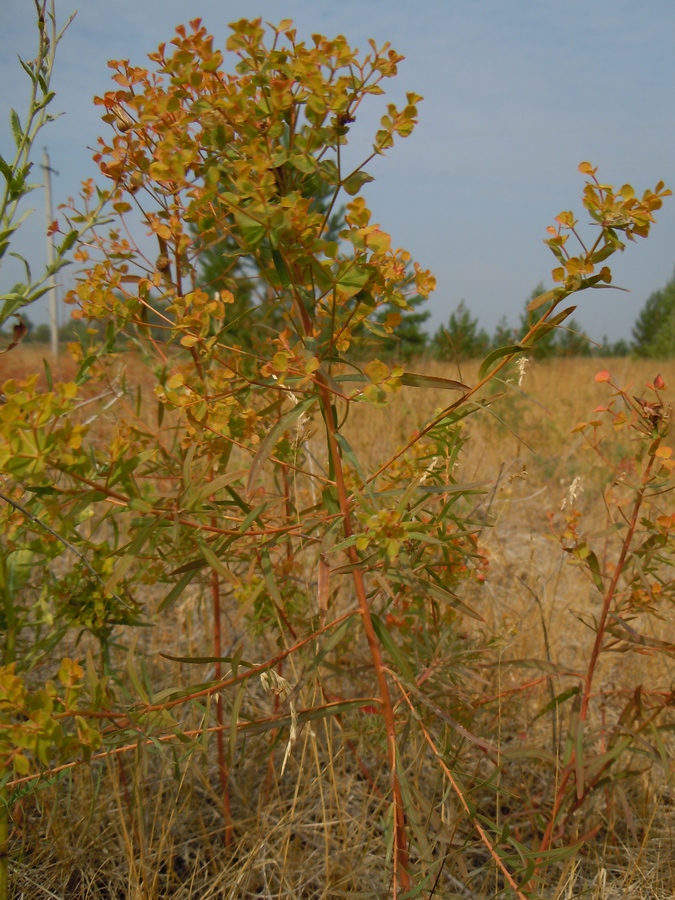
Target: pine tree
column 504, row 334
column 462, row 338
column 654, row 329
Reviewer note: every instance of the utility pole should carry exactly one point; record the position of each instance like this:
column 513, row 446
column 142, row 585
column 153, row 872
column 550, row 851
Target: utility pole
column 49, row 214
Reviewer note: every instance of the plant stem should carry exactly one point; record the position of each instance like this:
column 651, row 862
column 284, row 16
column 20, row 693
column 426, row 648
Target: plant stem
column 400, row 837
column 220, row 739
column 611, row 590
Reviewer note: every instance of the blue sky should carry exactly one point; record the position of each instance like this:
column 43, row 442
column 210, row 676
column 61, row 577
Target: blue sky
column 517, row 93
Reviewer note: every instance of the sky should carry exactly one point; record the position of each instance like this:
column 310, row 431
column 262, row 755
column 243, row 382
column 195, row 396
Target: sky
column 516, row 94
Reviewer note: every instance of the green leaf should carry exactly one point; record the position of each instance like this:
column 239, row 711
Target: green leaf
column 135, row 680
column 355, row 182
column 390, row 646
column 205, row 660
column 333, row 640
column 308, row 715
column 352, row 459
column 216, row 563
column 498, row 354
column 593, row 567
column 17, row 131
column 412, row 379
column 352, row 278
column 187, row 466
column 561, row 316
column 252, row 232
column 67, row 242
column 21, row 764
column 546, row 297
column 5, row 169
column 212, row 487
column 270, row 580
column 234, row 719
column 48, row 375
column 177, row 590
column 281, row 268
column 560, row 698
column 124, row 564
column 408, row 493
column 139, row 505
column 85, row 365
column 273, row 436
column 305, row 164
column 444, row 596
column 347, row 569
column 376, row 328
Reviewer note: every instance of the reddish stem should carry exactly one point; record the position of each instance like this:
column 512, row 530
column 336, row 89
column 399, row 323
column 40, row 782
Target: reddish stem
column 611, row 590
column 220, row 738
column 400, row 836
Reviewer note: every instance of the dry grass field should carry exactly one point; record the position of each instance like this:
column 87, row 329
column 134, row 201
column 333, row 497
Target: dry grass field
column 146, row 823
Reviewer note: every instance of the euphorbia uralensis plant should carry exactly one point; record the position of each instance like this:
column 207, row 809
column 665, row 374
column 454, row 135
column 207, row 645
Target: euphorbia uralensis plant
column 229, row 478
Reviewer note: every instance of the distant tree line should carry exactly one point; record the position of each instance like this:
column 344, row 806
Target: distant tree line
column 461, row 338
column 71, row 330
column 653, row 333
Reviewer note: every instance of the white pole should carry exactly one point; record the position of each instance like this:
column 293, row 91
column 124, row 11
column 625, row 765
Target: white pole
column 49, row 214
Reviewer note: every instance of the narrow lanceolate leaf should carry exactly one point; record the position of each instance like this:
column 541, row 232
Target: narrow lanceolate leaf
column 282, row 269
column 444, row 596
column 273, row 436
column 560, row 698
column 333, row 641
column 212, row 487
column 389, row 645
column 216, row 563
column 17, row 131
column 310, row 715
column 203, row 660
column 67, row 242
column 177, row 590
column 270, row 580
column 323, row 589
column 353, row 459
column 596, row 574
column 412, row 379
column 407, row 495
column 498, row 354
column 544, row 298
column 123, row 565
column 561, row 316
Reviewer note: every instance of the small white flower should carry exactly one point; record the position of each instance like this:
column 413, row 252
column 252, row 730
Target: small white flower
column 573, row 492
column 273, row 683
column 430, row 468
column 521, row 365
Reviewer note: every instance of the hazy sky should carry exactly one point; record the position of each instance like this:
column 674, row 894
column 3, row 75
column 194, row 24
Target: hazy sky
column 517, row 93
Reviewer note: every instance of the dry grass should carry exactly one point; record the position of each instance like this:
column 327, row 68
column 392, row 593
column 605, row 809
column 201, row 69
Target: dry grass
column 149, row 824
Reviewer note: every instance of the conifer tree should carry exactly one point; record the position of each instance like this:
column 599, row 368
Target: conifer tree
column 462, row 338
column 654, row 329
